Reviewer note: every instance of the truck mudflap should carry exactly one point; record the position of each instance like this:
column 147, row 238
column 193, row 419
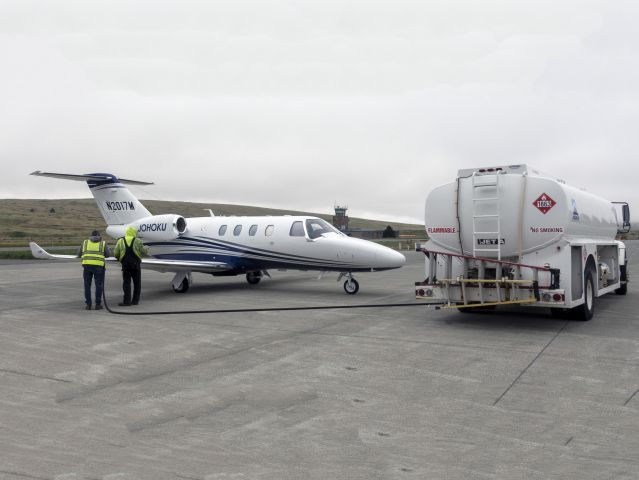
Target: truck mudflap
column 487, row 282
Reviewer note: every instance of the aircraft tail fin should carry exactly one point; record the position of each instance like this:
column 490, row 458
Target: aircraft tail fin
column 117, row 204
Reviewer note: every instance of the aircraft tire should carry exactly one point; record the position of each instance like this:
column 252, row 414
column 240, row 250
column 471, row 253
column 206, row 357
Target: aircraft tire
column 184, row 286
column 253, row 277
column 351, row 286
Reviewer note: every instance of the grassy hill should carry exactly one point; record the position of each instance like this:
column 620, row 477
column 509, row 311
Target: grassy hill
column 22, row 221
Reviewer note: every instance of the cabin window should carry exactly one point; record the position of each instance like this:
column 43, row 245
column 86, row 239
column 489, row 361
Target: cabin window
column 252, row 230
column 316, row 227
column 237, row 230
column 222, row 231
column 269, row 230
column 297, row 229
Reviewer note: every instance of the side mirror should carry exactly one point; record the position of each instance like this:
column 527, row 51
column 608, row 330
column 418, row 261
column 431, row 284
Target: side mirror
column 625, row 215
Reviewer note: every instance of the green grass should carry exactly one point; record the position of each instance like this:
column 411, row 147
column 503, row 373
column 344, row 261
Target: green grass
column 16, row 255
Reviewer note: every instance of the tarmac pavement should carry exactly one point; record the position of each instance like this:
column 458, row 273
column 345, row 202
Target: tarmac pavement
column 385, row 393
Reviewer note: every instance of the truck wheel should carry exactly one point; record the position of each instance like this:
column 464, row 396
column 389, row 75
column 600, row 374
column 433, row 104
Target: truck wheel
column 586, row 311
column 623, row 289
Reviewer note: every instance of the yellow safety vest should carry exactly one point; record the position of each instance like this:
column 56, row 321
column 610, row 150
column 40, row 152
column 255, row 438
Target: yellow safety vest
column 93, row 253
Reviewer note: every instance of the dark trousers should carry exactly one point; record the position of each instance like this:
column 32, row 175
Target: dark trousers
column 92, row 272
column 131, row 273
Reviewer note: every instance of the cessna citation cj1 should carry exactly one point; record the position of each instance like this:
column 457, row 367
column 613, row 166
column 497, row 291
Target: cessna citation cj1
column 224, row 246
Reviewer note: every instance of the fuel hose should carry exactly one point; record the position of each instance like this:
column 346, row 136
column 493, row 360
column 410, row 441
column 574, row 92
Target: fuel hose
column 269, row 309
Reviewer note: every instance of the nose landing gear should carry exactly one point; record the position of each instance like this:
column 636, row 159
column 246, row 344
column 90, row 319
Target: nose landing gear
column 351, row 286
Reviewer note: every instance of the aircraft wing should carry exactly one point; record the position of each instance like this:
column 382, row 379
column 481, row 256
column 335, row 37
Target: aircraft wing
column 149, row 263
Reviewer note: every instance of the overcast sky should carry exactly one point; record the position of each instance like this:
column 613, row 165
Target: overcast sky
column 301, row 104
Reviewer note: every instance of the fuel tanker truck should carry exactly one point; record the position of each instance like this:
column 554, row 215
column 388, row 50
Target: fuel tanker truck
column 512, row 235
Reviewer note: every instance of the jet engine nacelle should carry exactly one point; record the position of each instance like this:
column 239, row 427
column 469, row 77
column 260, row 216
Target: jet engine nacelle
column 160, row 227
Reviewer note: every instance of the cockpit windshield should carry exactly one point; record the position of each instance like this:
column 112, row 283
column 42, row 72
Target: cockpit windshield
column 316, row 227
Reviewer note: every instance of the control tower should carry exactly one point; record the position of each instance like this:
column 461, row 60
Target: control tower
column 340, row 220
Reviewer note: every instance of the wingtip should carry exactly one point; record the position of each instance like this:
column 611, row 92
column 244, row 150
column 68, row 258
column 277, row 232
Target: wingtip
column 36, row 250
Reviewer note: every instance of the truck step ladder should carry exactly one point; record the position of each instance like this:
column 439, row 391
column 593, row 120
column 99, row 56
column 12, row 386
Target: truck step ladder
column 487, row 224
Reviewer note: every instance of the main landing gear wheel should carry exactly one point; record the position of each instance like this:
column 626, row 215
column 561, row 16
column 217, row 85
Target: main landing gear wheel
column 254, row 277
column 184, row 286
column 351, row 286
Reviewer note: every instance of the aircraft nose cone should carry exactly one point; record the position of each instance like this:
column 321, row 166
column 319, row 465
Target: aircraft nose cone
column 389, row 258
column 398, row 259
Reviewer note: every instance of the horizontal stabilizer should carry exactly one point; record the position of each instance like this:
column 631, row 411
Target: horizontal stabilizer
column 38, row 252
column 95, row 177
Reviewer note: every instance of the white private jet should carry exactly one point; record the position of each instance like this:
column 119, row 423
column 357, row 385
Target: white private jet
column 224, row 246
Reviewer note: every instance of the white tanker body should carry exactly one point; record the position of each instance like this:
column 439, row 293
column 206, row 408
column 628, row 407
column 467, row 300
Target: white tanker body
column 546, row 243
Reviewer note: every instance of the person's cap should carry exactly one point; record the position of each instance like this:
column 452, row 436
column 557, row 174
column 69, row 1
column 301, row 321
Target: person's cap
column 95, row 233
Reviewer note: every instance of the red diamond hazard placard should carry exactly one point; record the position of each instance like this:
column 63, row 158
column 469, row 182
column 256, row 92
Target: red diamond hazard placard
column 544, row 203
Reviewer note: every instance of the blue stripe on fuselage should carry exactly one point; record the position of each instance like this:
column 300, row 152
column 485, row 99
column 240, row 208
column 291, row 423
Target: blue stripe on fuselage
column 241, row 258
column 228, row 247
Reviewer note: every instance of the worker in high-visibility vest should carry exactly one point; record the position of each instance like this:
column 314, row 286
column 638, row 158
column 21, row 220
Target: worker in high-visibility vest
column 93, row 252
column 129, row 250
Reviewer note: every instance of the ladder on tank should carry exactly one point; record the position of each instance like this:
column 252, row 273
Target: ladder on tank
column 485, row 194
